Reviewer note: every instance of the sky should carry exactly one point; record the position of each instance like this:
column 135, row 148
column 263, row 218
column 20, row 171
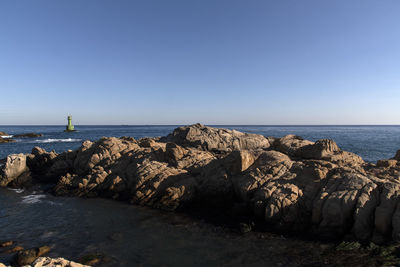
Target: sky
column 208, row 61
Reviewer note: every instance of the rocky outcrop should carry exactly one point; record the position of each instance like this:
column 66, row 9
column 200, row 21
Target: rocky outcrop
column 287, row 183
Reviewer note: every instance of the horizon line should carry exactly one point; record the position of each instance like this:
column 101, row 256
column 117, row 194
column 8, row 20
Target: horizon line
column 272, row 125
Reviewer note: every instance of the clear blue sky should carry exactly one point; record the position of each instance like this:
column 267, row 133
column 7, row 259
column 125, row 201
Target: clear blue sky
column 209, row 61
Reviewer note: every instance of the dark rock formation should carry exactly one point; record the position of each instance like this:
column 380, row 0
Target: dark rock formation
column 286, row 183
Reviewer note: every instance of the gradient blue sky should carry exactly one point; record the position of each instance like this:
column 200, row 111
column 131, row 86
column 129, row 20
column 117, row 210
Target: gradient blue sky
column 209, row 61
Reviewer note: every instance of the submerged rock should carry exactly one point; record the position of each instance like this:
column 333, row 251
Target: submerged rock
column 6, row 243
column 287, row 183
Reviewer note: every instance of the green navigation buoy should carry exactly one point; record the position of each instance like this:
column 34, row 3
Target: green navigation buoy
column 70, row 127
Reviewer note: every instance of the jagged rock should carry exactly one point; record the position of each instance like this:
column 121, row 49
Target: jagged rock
column 287, row 183
column 14, row 167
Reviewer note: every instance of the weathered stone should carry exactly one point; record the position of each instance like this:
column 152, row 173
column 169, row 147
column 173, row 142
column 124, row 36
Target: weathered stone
column 14, row 167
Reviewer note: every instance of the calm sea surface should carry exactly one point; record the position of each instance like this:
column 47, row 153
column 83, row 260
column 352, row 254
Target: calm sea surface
column 135, row 236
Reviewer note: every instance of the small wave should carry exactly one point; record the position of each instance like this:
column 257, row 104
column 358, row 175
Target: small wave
column 32, row 199
column 18, row 191
column 6, row 136
column 55, row 140
column 53, row 203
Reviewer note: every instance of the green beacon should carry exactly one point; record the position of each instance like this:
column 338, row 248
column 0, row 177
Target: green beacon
column 70, row 127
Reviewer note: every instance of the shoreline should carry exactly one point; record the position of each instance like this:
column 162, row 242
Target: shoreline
column 287, row 185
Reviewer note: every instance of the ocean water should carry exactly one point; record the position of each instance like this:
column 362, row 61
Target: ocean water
column 370, row 142
column 129, row 235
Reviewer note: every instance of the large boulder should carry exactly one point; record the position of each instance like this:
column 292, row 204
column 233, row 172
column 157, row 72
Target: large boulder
column 290, row 144
column 208, row 138
column 14, row 167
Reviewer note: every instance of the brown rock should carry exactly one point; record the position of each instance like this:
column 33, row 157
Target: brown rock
column 26, row 257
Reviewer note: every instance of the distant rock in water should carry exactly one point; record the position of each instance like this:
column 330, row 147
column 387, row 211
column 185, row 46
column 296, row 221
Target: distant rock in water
column 27, row 135
column 6, row 140
column 287, row 183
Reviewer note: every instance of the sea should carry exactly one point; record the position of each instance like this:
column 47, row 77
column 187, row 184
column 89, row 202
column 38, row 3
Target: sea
column 129, row 235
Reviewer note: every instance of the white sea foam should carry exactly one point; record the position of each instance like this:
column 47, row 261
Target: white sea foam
column 6, row 136
column 55, row 140
column 32, row 199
